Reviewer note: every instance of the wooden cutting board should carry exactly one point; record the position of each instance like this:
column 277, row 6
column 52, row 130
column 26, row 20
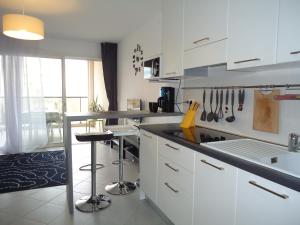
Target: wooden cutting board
column 266, row 111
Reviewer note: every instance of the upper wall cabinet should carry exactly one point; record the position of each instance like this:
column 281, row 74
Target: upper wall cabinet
column 288, row 31
column 252, row 33
column 172, row 37
column 205, row 21
column 205, row 25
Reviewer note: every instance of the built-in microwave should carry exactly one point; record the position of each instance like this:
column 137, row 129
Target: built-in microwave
column 152, row 68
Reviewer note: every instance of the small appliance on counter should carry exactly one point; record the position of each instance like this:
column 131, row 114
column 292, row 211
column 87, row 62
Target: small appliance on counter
column 166, row 101
column 153, row 107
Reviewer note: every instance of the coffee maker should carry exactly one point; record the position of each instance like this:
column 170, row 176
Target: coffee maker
column 166, row 99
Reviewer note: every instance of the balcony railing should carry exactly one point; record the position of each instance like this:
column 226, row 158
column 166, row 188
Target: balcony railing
column 74, row 104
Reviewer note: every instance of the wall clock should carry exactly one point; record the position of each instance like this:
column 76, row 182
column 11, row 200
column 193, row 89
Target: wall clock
column 137, row 59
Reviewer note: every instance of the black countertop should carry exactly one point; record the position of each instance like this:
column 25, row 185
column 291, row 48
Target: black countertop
column 265, row 172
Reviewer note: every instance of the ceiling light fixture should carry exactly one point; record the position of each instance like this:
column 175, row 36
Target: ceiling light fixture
column 24, row 27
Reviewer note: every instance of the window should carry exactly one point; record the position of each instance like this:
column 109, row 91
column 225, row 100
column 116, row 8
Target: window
column 77, row 76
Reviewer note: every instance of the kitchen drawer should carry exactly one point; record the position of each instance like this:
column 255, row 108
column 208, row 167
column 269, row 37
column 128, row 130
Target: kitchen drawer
column 175, row 202
column 177, row 153
column 175, row 174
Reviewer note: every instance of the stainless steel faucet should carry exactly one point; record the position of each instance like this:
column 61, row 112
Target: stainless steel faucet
column 294, row 144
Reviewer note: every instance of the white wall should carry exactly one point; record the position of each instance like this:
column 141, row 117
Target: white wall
column 289, row 110
column 135, row 86
column 129, row 84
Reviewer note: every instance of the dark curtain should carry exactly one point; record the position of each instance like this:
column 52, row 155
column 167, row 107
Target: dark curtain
column 109, row 54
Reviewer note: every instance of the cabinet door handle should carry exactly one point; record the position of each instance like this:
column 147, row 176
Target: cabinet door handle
column 170, row 146
column 295, row 52
column 203, row 39
column 212, row 165
column 247, row 60
column 170, row 73
column 173, row 189
column 148, row 136
column 172, row 168
column 268, row 190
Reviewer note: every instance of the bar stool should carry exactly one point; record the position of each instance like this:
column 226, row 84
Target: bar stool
column 121, row 187
column 93, row 202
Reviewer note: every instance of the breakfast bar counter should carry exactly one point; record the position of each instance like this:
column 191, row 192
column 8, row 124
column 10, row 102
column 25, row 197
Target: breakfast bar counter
column 71, row 117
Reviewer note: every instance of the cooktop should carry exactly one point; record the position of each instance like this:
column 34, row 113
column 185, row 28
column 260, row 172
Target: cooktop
column 199, row 135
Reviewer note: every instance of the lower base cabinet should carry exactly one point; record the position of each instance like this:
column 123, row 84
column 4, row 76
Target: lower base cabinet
column 263, row 202
column 175, row 191
column 148, row 165
column 191, row 188
column 215, row 192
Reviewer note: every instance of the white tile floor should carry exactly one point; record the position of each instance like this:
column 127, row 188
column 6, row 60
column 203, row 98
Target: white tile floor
column 48, row 205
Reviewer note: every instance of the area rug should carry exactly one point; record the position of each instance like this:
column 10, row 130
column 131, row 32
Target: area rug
column 24, row 171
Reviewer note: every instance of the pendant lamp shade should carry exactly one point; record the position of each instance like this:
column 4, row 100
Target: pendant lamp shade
column 23, row 27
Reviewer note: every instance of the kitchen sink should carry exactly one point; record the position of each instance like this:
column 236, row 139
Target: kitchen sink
column 270, row 155
column 289, row 162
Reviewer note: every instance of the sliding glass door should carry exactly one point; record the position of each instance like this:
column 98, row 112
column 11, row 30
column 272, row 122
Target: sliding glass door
column 76, row 85
column 52, row 77
column 50, row 87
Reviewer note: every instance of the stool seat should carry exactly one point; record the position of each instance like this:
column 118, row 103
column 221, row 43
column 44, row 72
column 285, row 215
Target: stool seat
column 88, row 137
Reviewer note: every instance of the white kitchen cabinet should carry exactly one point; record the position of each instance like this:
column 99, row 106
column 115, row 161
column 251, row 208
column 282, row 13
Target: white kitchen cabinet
column 252, row 33
column 205, row 21
column 262, row 202
column 172, row 37
column 148, row 164
column 175, row 191
column 215, row 192
column 288, row 48
column 205, row 32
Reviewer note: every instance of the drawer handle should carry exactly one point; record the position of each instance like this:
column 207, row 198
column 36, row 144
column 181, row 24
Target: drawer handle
column 172, row 168
column 247, row 60
column 168, row 185
column 170, row 73
column 295, row 52
column 268, row 190
column 148, row 136
column 203, row 39
column 207, row 163
column 170, row 146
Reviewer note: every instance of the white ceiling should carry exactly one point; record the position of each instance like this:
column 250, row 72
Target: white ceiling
column 90, row 20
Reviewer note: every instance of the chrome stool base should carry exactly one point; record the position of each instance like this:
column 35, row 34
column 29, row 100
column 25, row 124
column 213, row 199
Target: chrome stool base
column 88, row 204
column 120, row 188
column 88, row 167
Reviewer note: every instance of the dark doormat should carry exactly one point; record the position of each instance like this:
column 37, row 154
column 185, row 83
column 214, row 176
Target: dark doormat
column 24, row 171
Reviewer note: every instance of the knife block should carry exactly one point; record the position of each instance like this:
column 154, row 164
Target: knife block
column 189, row 118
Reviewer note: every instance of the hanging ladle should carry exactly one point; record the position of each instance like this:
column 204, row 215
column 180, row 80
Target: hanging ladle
column 220, row 113
column 216, row 116
column 203, row 115
column 210, row 115
column 231, row 118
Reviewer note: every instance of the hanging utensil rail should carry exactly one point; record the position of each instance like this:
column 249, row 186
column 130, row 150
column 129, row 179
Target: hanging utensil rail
column 266, row 86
